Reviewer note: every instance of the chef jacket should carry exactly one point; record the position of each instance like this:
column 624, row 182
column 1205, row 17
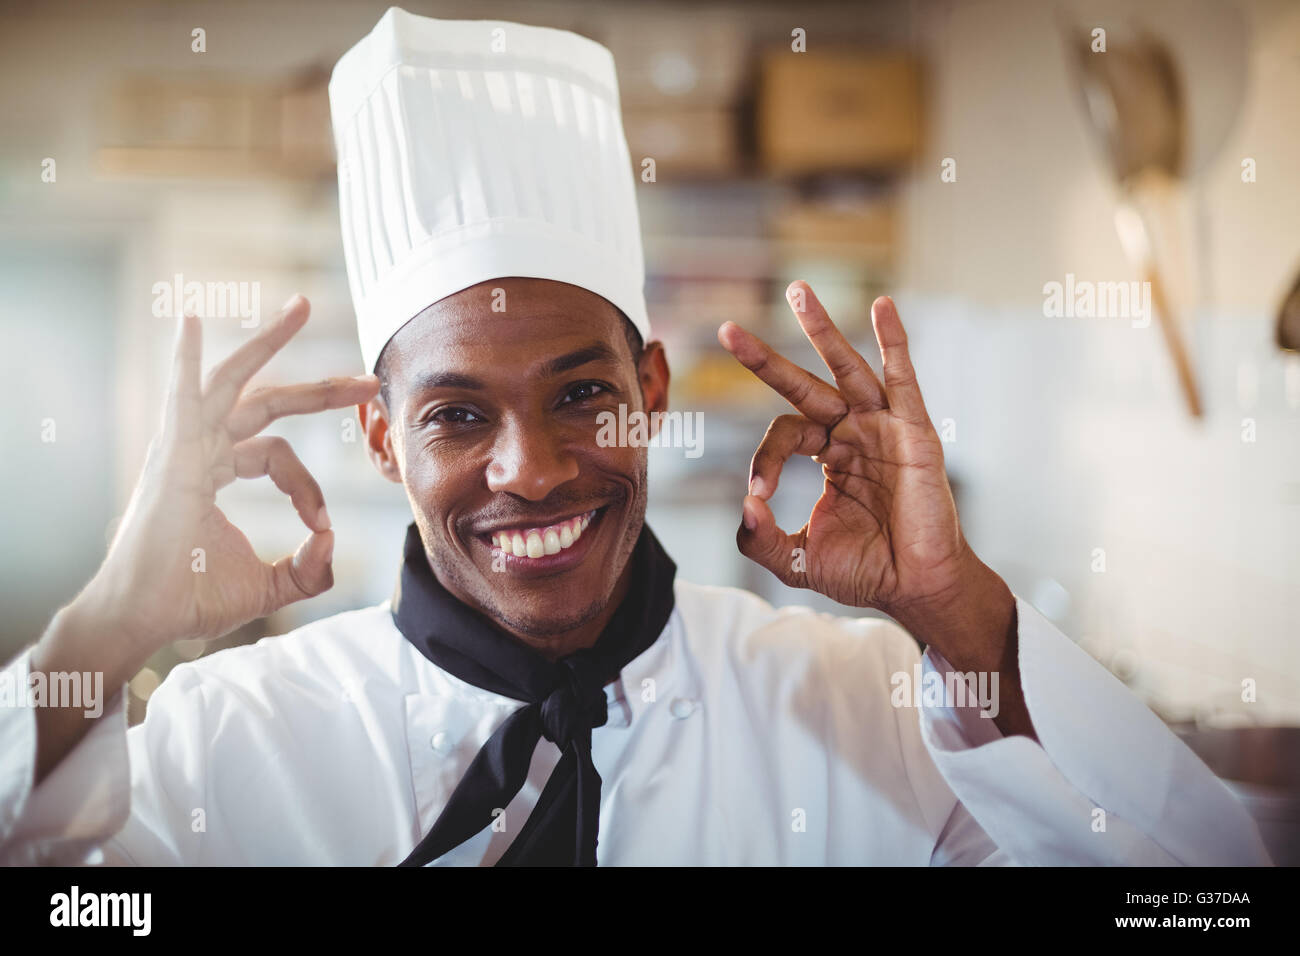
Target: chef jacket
column 744, row 735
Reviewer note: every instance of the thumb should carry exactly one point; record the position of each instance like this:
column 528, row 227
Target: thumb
column 309, row 572
column 760, row 540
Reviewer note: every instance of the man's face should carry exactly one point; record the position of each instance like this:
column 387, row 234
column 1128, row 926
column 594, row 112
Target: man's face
column 492, row 428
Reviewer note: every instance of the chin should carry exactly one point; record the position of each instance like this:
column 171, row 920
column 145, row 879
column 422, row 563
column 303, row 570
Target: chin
column 542, row 623
column 540, row 604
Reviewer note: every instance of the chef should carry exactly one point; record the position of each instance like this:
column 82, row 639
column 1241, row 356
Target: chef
column 542, row 688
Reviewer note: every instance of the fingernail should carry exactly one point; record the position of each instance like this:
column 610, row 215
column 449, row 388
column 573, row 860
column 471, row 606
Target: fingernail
column 756, row 486
column 291, row 302
column 329, row 552
column 324, row 518
column 747, row 517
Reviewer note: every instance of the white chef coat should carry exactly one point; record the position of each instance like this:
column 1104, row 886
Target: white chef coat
column 743, row 735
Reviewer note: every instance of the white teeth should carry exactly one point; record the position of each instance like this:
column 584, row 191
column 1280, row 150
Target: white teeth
column 537, row 542
column 535, row 547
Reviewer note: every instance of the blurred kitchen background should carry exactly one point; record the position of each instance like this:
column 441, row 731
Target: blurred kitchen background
column 958, row 155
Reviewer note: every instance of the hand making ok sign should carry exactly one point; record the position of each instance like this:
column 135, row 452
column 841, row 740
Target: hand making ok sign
column 884, row 532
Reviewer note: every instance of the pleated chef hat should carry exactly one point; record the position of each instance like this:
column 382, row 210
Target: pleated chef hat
column 471, row 150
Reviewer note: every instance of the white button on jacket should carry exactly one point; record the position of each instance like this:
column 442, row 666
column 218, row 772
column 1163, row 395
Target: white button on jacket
column 744, row 735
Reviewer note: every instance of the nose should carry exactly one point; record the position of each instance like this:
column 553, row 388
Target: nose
column 529, row 460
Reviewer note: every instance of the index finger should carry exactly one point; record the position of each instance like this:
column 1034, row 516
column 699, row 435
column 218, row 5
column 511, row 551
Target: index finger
column 228, row 379
column 265, row 405
column 815, row 398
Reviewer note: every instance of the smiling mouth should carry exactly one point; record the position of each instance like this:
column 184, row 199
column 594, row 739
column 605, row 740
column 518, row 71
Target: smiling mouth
column 541, row 541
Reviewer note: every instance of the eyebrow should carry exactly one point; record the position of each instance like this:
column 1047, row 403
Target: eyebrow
column 432, row 380
column 596, row 352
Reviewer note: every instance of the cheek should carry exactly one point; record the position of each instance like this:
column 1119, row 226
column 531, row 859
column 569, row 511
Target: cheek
column 437, row 481
column 627, row 463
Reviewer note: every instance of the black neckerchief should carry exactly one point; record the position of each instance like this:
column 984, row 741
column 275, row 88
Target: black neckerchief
column 563, row 701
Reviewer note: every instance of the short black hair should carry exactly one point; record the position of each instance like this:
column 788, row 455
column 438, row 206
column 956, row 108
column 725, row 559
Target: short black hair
column 635, row 348
column 635, row 344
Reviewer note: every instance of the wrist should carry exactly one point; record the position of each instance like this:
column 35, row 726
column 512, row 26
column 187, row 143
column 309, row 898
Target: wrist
column 971, row 622
column 95, row 630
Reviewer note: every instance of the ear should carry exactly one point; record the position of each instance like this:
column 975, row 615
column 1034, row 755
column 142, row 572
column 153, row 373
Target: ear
column 652, row 375
column 379, row 439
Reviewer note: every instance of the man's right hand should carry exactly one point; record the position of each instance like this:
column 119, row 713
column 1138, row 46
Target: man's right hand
column 150, row 590
column 149, row 584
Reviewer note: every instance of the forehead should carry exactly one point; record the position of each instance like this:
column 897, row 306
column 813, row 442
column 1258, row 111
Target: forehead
column 514, row 315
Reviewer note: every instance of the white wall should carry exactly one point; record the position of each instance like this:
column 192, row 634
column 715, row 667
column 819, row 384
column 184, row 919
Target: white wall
column 1070, row 433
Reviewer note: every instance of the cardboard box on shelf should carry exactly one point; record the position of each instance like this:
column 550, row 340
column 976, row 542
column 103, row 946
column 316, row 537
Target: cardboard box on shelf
column 715, row 378
column 822, row 112
column 683, row 141
column 859, row 230
column 185, row 113
column 217, row 128
column 689, row 304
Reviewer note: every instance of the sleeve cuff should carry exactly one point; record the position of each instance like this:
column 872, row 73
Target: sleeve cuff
column 17, row 744
column 1110, row 782
column 80, row 804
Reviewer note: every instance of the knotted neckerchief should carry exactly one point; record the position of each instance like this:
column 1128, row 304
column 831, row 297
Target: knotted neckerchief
column 563, row 701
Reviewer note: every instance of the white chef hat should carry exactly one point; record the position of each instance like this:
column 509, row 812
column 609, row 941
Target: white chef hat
column 471, row 150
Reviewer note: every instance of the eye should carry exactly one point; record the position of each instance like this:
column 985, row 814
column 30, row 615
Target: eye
column 583, row 390
column 452, row 415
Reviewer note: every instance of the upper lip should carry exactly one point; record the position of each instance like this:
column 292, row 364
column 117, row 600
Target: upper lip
column 533, row 522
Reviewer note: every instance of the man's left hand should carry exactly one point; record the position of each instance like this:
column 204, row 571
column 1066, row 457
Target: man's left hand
column 884, row 532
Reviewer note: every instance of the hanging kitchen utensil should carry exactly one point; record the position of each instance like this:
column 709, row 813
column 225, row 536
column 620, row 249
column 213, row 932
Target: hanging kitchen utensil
column 1288, row 320
column 1133, row 101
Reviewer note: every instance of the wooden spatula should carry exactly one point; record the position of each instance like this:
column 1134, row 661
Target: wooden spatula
column 1134, row 103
